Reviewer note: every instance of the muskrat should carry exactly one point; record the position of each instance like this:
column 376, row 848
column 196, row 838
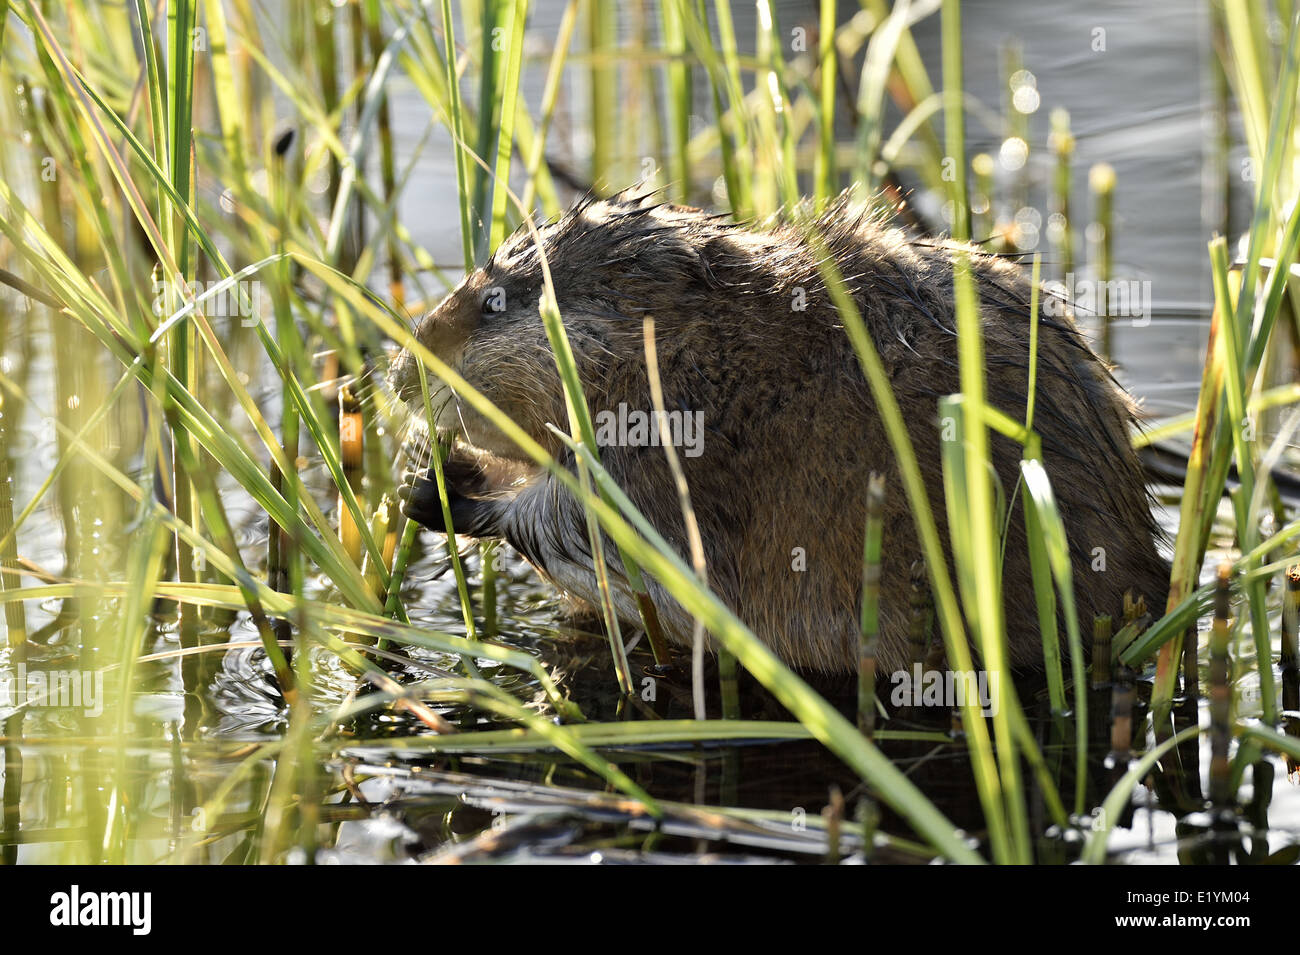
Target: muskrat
column 749, row 342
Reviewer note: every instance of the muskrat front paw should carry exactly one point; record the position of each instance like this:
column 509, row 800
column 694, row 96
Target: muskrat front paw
column 418, row 496
column 418, row 499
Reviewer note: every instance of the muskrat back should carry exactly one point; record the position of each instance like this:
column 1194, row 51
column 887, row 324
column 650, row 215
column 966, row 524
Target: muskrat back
column 752, row 349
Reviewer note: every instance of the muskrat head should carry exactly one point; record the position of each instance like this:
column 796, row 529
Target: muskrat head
column 610, row 261
column 489, row 332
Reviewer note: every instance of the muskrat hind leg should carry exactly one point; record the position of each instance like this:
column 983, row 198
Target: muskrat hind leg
column 473, row 517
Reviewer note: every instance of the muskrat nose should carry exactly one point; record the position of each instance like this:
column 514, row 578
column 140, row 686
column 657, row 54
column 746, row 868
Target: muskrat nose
column 404, row 376
column 443, row 332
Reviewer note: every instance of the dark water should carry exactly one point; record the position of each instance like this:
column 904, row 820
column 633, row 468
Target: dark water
column 1146, row 105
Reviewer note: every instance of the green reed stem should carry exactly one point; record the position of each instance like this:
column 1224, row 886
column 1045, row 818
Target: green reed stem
column 980, row 534
column 1242, row 431
column 1061, row 142
column 602, row 32
column 458, row 144
column 438, row 453
column 869, row 624
column 550, row 97
column 825, row 174
column 1101, row 180
column 679, row 90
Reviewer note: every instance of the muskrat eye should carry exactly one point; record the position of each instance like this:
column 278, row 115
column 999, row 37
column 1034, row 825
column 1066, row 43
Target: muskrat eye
column 494, row 300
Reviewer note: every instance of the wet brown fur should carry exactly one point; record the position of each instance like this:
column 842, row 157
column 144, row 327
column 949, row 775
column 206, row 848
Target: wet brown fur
column 791, row 430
